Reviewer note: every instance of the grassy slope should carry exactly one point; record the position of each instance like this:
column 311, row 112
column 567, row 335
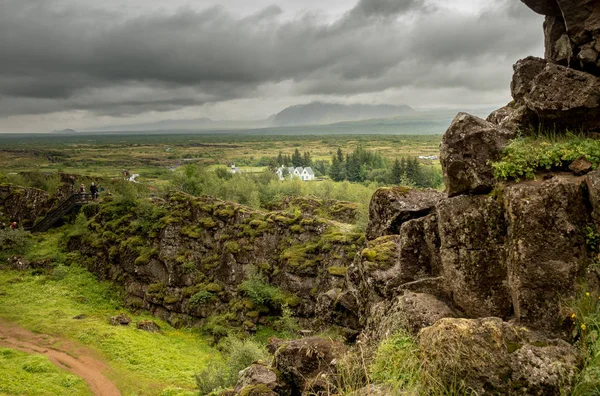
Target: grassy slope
column 24, row 374
column 141, row 362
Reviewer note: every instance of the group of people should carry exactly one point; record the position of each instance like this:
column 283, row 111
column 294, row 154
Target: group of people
column 94, row 190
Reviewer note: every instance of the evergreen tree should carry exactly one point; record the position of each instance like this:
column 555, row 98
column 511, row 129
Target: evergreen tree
column 336, row 170
column 296, row 159
column 397, row 172
column 340, row 156
column 307, row 160
column 280, row 160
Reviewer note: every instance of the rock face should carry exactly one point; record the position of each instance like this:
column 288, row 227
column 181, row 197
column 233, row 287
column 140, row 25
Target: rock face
column 23, row 204
column 410, row 312
column 467, row 147
column 593, row 183
column 562, row 91
column 472, row 237
column 390, row 207
column 515, row 254
column 572, row 29
column 557, row 95
column 303, row 362
column 489, row 356
column 546, row 249
column 186, row 258
column 344, row 212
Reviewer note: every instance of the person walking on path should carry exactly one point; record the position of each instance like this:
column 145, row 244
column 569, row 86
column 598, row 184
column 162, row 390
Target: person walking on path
column 94, row 191
column 82, row 189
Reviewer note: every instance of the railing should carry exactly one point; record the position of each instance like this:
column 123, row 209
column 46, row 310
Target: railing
column 60, row 211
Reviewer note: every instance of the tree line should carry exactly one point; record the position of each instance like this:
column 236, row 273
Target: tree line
column 361, row 165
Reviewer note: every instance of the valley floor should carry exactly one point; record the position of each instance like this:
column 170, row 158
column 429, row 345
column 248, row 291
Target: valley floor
column 62, row 353
column 37, row 316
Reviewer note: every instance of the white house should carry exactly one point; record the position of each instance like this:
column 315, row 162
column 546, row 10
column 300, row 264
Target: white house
column 299, row 172
column 307, row 174
column 234, row 169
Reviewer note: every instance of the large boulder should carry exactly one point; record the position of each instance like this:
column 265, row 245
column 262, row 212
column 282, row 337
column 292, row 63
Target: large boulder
column 559, row 96
column 473, row 236
column 492, row 357
column 410, row 312
column 468, row 146
column 257, row 376
column 301, row 362
column 572, row 30
column 546, row 248
column 390, row 207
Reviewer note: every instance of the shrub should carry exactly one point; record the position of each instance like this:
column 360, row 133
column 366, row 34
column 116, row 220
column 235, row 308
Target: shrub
column 203, row 296
column 14, row 242
column 523, row 157
column 214, row 377
column 240, row 354
column 260, row 292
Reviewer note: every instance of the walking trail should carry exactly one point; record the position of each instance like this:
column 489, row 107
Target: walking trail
column 62, row 353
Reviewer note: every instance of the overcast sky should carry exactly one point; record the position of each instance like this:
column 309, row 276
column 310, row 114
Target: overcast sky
column 83, row 63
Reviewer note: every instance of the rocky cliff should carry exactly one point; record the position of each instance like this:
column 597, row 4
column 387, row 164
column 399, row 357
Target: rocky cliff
column 185, row 259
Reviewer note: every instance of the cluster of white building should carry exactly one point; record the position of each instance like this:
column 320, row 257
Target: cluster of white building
column 299, row 172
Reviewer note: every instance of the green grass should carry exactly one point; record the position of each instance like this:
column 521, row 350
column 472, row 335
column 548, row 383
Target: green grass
column 526, row 156
column 24, row 374
column 140, row 362
column 586, row 328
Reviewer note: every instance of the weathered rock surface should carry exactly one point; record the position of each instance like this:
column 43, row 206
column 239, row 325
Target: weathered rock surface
column 342, row 211
column 392, row 264
column 255, row 375
column 557, row 95
column 546, row 247
column 302, row 362
column 468, row 146
column 410, row 312
column 390, row 207
column 23, row 204
column 187, row 262
column 149, row 326
column 120, row 320
column 580, row 166
column 593, row 184
column 513, row 117
column 491, row 357
column 472, row 237
column 572, row 30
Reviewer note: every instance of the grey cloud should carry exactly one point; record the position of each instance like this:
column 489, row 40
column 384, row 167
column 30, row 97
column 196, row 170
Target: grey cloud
column 85, row 58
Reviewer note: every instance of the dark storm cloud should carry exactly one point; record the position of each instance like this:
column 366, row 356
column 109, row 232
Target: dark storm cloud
column 93, row 60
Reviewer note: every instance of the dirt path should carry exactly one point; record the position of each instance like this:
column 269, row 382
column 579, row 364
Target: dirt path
column 61, row 353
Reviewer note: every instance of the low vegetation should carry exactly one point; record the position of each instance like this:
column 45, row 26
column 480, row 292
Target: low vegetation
column 24, row 374
column 586, row 331
column 525, row 156
column 46, row 301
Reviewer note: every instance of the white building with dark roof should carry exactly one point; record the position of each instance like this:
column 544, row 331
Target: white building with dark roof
column 307, row 174
column 299, row 172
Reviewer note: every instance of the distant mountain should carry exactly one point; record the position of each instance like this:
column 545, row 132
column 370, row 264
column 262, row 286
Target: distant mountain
column 65, row 131
column 320, row 113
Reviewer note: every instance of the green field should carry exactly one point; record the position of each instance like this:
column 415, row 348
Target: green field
column 151, row 156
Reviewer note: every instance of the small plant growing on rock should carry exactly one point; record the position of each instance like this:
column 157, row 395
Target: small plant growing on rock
column 202, row 297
